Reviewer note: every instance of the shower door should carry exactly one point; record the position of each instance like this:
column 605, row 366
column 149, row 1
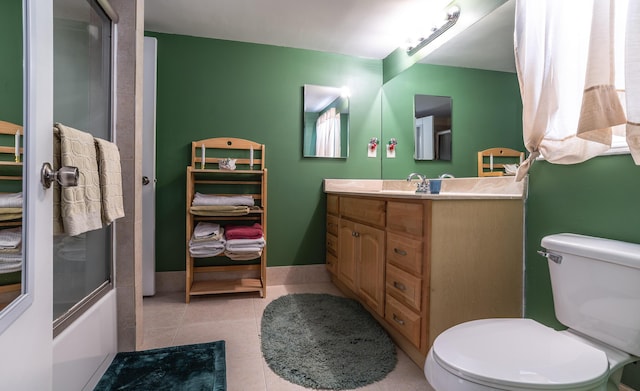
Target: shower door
column 83, row 86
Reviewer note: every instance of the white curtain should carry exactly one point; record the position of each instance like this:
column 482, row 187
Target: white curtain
column 565, row 59
column 328, row 134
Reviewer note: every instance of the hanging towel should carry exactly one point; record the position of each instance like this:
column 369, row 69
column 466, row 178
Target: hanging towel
column 80, row 206
column 213, row 199
column 243, row 231
column 110, row 173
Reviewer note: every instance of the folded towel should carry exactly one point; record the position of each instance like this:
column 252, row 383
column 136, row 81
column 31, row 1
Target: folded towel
column 206, row 249
column 11, row 200
column 10, row 238
column 243, row 231
column 213, row 199
column 206, row 230
column 221, row 210
column 10, row 214
column 246, row 242
column 80, row 206
column 10, row 263
column 110, row 180
column 242, row 256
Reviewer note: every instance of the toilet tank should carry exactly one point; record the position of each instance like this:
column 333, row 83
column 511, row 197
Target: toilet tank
column 596, row 288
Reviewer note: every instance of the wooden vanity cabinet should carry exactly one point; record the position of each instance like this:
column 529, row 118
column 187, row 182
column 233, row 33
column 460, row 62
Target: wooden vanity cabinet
column 421, row 266
column 361, row 250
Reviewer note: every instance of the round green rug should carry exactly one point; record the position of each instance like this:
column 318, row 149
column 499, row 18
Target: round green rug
column 323, row 341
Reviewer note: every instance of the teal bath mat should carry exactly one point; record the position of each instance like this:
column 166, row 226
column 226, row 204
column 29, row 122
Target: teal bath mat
column 325, row 342
column 188, row 367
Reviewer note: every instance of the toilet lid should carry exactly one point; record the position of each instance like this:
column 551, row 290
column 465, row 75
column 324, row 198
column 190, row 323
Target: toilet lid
column 519, row 353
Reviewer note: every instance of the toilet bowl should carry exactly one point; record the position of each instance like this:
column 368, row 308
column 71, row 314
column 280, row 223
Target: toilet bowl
column 597, row 296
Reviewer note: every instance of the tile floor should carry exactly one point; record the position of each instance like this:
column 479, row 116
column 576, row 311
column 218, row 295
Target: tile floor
column 236, row 319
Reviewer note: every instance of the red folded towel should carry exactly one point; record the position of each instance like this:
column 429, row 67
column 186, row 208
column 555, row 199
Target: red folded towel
column 243, row 231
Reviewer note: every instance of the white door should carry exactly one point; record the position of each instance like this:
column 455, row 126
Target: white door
column 149, row 168
column 26, row 344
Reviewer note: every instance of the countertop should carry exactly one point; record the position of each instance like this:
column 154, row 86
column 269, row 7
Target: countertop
column 504, row 187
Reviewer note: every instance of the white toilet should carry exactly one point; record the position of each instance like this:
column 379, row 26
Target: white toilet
column 596, row 292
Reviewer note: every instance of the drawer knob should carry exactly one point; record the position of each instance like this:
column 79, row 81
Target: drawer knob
column 399, row 285
column 398, row 320
column 399, row 251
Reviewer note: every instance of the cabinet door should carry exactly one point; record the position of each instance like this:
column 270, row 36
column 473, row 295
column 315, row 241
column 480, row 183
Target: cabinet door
column 370, row 278
column 347, row 254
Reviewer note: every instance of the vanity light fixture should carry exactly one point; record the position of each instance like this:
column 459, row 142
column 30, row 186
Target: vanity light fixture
column 452, row 16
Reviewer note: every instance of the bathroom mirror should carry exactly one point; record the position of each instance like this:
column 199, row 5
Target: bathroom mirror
column 13, row 292
column 325, row 122
column 432, row 127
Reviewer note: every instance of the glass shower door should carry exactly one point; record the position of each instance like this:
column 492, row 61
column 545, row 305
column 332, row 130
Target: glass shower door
column 82, row 50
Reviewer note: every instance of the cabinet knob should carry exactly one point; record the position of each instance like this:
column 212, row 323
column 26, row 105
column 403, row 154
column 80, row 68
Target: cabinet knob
column 355, row 234
column 399, row 286
column 398, row 320
column 399, row 251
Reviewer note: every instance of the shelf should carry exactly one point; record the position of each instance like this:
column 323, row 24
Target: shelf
column 227, row 286
column 214, row 181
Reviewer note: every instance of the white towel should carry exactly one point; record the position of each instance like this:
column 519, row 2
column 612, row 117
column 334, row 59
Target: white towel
column 206, row 230
column 212, row 199
column 11, row 200
column 10, row 263
column 110, row 180
column 80, row 206
column 244, row 244
column 10, row 238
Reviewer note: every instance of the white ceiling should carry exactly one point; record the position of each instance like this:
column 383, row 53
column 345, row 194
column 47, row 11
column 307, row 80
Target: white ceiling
column 362, row 28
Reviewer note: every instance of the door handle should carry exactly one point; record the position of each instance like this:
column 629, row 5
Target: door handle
column 145, row 180
column 66, row 176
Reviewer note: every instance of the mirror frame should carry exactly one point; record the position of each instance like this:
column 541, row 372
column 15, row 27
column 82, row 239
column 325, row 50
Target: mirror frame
column 318, row 99
column 20, row 304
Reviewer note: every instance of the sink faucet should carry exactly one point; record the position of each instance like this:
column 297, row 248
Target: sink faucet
column 445, row 175
column 423, row 185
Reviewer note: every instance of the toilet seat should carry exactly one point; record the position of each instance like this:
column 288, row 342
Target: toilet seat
column 519, row 354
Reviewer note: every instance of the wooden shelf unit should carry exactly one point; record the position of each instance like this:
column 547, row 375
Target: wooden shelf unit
column 205, row 176
column 11, row 175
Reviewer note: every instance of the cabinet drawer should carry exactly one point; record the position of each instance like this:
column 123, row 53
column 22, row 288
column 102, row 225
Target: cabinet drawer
column 405, row 217
column 332, row 244
column 404, row 320
column 332, row 263
column 404, row 287
column 332, row 204
column 406, row 253
column 332, row 225
column 363, row 210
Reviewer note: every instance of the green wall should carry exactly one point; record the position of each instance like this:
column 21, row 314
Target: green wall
column 486, row 113
column 11, row 96
column 214, row 88
column 599, row 198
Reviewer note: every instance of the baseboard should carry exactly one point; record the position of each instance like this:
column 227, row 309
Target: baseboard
column 276, row 275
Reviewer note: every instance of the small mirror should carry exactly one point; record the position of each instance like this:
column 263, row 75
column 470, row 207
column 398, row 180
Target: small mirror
column 326, row 122
column 432, row 127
